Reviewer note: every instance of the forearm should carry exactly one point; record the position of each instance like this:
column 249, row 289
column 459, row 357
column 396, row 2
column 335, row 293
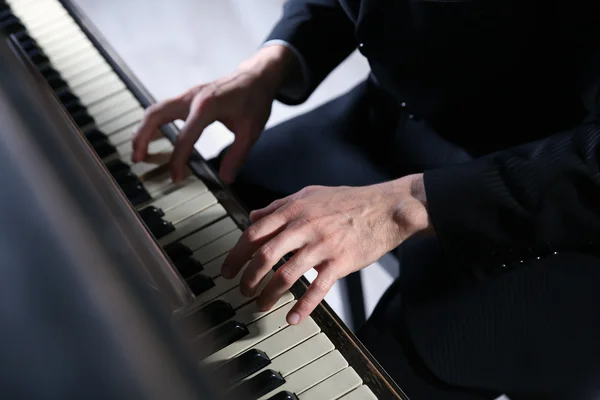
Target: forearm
column 275, row 65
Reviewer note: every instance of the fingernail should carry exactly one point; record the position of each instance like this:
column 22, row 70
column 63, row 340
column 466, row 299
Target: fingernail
column 293, row 318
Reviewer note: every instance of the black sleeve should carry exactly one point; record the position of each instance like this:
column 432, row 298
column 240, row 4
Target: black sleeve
column 323, row 35
column 524, row 202
column 537, row 198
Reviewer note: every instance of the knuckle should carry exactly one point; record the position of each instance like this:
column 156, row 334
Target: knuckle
column 325, row 283
column 293, row 208
column 286, row 277
column 265, row 253
column 252, row 234
column 305, row 305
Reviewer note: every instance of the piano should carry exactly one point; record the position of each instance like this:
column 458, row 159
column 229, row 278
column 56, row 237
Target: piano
column 160, row 242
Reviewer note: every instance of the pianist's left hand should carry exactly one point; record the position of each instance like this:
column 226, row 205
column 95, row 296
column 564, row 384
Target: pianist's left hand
column 336, row 230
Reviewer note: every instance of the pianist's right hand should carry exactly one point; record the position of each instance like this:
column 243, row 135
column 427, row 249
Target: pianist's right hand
column 241, row 101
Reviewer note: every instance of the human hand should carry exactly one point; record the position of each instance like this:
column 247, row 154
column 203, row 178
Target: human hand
column 241, row 101
column 336, row 230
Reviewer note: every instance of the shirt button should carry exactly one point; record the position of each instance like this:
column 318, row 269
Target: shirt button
column 361, row 45
column 403, row 104
column 411, row 116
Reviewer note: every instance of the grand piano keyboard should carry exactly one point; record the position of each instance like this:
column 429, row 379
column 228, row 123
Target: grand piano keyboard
column 196, row 223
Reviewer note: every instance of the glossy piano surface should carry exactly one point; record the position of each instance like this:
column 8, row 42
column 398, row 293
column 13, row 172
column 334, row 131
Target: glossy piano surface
column 195, row 223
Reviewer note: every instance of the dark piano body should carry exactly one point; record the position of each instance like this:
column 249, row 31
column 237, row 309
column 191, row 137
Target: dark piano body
column 101, row 101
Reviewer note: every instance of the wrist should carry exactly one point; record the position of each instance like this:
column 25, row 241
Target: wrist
column 272, row 66
column 411, row 212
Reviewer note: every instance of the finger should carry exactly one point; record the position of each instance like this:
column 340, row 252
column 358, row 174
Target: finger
column 235, row 156
column 314, row 295
column 268, row 255
column 285, row 277
column 250, row 241
column 257, row 215
column 201, row 115
column 157, row 115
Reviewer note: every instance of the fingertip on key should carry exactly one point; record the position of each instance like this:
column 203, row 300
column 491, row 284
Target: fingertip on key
column 293, row 318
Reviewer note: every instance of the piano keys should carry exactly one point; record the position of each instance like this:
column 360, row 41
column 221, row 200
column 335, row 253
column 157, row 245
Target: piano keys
column 195, row 222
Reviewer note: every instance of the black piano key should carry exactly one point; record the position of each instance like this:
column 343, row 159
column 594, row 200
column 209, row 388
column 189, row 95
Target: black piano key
column 104, row 149
column 212, row 315
column 188, row 267
column 56, row 82
column 94, row 135
column 138, row 195
column 28, row 43
column 150, row 212
column 257, row 387
column 152, row 220
column 243, row 366
column 221, row 337
column 284, row 396
column 200, row 283
column 128, row 178
column 118, row 168
column 176, row 251
column 66, row 97
column 5, row 12
column 38, row 57
column 82, row 119
column 11, row 25
column 160, row 229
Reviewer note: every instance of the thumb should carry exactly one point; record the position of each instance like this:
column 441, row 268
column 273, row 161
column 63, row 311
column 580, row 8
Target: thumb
column 235, row 156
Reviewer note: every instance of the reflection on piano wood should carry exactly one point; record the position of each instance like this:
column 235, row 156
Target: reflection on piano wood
column 196, row 222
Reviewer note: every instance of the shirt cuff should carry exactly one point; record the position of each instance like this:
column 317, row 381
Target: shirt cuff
column 296, row 89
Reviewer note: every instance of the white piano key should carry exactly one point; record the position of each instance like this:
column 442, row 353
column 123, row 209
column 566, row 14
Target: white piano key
column 53, row 29
column 233, row 296
column 83, row 63
column 222, row 286
column 190, row 208
column 250, row 313
column 90, row 75
column 59, row 36
column 193, row 189
column 41, row 15
column 280, row 343
column 121, row 136
column 110, row 108
column 218, row 247
column 362, row 393
column 258, row 331
column 124, row 121
column 54, row 44
column 312, row 374
column 213, row 268
column 334, row 387
column 162, row 184
column 162, row 144
column 46, row 16
column 144, row 168
column 297, row 357
column 56, row 55
column 100, row 90
column 194, row 223
column 41, row 7
column 210, row 233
